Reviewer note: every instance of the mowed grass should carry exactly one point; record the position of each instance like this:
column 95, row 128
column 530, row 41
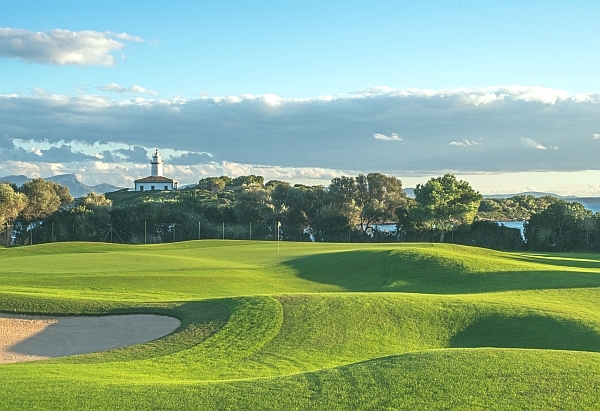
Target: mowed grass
column 315, row 326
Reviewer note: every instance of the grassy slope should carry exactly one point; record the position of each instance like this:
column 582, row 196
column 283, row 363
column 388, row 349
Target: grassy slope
column 316, row 326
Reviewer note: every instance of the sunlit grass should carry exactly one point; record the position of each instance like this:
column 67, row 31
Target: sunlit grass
column 316, row 326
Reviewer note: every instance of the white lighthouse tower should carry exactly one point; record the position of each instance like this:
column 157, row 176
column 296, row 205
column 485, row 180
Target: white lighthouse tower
column 156, row 163
column 156, row 180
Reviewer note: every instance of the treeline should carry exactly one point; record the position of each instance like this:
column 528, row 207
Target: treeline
column 516, row 208
column 349, row 209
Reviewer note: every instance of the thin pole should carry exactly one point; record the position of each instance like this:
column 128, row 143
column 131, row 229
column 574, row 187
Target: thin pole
column 31, row 236
column 52, row 236
column 223, row 230
column 250, row 230
column 198, row 230
column 278, row 225
column 145, row 233
column 7, row 233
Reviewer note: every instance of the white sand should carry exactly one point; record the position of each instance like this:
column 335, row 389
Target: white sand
column 28, row 338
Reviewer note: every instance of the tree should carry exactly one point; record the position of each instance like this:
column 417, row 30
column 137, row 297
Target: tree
column 444, row 203
column 253, row 204
column 247, row 180
column 95, row 202
column 378, row 197
column 44, row 198
column 563, row 226
column 343, row 199
column 11, row 203
column 214, row 184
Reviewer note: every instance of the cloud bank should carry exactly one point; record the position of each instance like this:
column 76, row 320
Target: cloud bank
column 491, row 130
column 62, row 47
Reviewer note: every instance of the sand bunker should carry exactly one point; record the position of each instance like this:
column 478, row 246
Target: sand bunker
column 28, row 338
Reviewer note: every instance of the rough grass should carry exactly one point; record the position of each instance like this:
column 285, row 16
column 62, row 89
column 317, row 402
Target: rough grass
column 317, row 326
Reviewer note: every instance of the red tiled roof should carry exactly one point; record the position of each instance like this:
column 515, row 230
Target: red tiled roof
column 153, row 179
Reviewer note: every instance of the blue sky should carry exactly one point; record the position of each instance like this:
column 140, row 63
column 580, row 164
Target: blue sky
column 506, row 94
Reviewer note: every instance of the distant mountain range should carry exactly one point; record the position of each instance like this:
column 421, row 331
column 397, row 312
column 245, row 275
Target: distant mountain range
column 76, row 187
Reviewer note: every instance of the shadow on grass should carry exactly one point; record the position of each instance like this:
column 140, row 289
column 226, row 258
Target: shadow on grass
column 527, row 331
column 419, row 273
column 351, row 270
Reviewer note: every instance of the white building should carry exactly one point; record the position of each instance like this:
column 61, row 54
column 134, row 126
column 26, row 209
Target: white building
column 156, row 181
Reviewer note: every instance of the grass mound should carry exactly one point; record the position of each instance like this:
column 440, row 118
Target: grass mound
column 318, row 326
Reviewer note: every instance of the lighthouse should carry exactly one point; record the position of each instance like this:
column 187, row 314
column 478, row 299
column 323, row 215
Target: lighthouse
column 156, row 163
column 156, row 180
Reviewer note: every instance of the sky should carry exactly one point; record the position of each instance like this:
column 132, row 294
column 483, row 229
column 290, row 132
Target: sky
column 505, row 95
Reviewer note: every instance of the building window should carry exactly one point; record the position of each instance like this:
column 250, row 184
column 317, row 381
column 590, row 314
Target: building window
column 151, row 187
column 141, row 188
column 166, row 187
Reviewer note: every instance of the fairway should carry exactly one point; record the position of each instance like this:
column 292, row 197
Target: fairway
column 314, row 326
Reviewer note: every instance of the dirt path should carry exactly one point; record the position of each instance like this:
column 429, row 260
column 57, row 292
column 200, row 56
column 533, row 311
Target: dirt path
column 28, row 338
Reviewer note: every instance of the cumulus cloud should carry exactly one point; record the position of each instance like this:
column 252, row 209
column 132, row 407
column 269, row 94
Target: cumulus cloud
column 62, row 47
column 393, row 137
column 311, row 134
column 116, row 88
column 464, row 142
column 531, row 143
column 596, row 136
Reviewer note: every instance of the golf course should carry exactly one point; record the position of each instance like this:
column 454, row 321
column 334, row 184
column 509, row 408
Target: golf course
column 323, row 326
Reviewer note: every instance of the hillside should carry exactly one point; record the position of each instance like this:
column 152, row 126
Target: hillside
column 315, row 326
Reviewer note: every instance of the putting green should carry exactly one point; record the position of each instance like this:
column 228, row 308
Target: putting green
column 315, row 326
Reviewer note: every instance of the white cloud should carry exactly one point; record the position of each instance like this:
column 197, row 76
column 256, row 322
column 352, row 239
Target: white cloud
column 596, row 136
column 116, row 88
column 531, row 143
column 393, row 137
column 36, row 151
column 124, row 36
column 465, row 142
column 62, row 47
column 271, row 99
